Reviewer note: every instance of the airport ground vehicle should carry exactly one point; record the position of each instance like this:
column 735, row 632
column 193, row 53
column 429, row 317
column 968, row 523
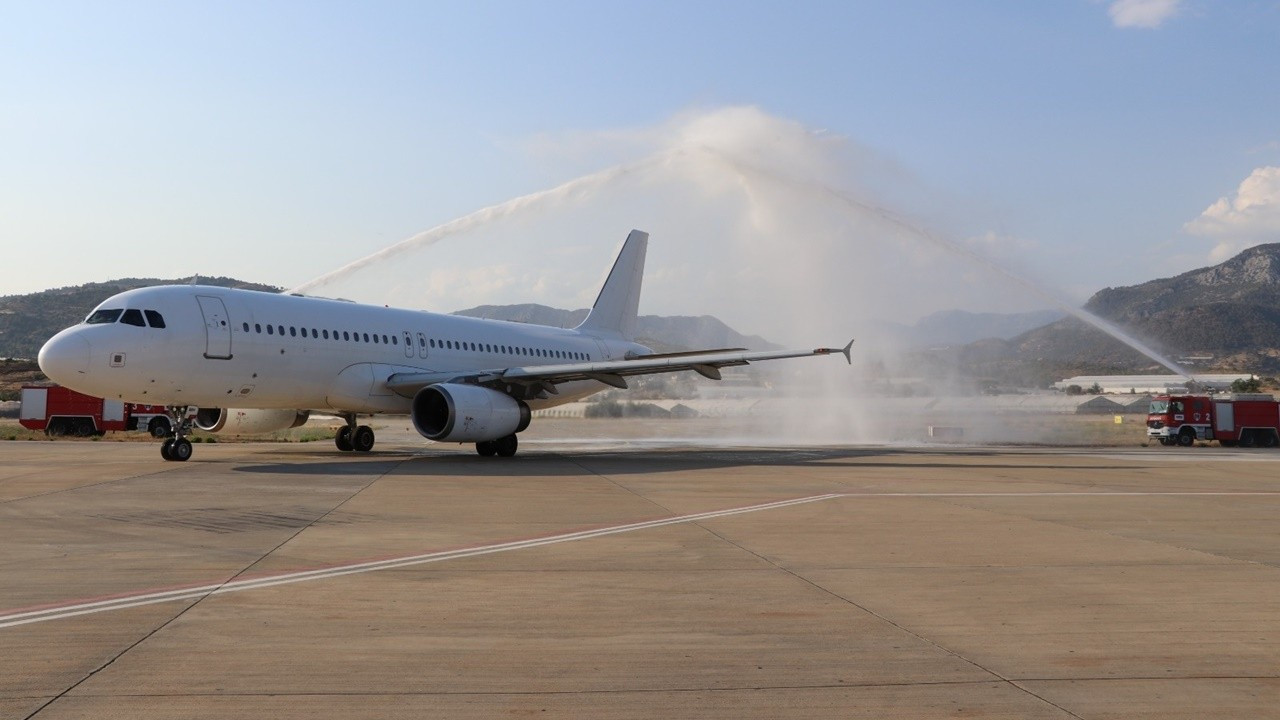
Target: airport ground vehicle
column 1247, row 420
column 63, row 411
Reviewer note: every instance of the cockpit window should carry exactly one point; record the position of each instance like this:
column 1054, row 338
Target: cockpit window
column 156, row 320
column 103, row 317
column 133, row 316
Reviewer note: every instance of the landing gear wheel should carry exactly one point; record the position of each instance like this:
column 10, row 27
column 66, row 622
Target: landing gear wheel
column 180, row 450
column 343, row 439
column 165, row 448
column 362, row 441
column 488, row 448
column 1186, row 439
column 506, row 446
column 159, row 427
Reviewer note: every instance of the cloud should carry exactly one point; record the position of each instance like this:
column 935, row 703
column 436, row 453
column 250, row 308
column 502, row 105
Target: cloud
column 1142, row 13
column 1250, row 218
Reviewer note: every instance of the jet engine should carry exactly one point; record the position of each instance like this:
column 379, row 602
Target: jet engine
column 451, row 412
column 248, row 422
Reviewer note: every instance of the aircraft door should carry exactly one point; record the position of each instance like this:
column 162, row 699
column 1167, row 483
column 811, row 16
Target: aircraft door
column 422, row 345
column 408, row 344
column 217, row 328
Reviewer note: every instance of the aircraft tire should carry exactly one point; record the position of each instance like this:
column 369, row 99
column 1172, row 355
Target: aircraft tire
column 362, row 440
column 487, row 448
column 165, row 447
column 181, row 450
column 159, row 427
column 343, row 439
column 506, row 446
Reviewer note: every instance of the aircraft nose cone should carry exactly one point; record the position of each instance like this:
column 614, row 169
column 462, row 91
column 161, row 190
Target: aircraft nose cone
column 65, row 358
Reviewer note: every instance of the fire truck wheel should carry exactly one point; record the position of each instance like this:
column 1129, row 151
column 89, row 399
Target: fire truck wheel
column 1246, row 438
column 1166, row 441
column 159, row 427
column 180, row 450
column 1187, row 438
column 1267, row 438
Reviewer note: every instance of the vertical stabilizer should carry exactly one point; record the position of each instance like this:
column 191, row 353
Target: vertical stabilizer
column 614, row 314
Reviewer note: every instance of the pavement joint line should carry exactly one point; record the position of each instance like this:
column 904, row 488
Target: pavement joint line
column 23, row 616
column 196, row 600
column 61, row 611
column 996, row 677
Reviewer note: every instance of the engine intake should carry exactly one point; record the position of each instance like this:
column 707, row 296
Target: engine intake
column 248, row 422
column 451, row 412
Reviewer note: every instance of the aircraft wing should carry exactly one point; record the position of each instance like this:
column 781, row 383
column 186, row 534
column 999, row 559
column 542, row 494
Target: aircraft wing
column 611, row 372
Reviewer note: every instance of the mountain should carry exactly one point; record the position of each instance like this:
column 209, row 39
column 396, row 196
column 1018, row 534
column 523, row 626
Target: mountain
column 1230, row 311
column 27, row 321
column 663, row 334
column 958, row 327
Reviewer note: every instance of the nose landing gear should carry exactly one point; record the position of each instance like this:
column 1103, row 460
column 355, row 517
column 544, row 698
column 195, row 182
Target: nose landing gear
column 177, row 447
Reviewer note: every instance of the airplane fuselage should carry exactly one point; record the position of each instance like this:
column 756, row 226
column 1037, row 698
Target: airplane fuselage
column 221, row 347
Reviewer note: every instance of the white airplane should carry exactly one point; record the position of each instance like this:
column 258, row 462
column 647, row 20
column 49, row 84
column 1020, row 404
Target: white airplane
column 244, row 362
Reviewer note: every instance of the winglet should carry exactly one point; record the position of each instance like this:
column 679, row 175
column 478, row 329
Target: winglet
column 847, row 352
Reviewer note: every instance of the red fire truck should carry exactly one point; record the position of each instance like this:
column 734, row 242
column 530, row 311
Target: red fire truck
column 1247, row 420
column 62, row 411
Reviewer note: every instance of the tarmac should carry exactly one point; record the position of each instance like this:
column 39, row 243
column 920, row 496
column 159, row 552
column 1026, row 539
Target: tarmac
column 615, row 577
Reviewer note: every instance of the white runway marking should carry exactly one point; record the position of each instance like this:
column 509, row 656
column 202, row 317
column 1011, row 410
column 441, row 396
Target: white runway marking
column 75, row 608
column 67, row 610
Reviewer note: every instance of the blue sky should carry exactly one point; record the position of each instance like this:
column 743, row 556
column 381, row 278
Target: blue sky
column 1088, row 141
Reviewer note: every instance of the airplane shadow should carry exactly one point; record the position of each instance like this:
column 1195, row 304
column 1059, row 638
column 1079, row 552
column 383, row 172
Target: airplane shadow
column 545, row 463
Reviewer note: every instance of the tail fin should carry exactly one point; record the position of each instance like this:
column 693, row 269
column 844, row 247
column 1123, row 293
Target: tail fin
column 614, row 314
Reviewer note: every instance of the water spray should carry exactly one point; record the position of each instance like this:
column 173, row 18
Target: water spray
column 743, row 169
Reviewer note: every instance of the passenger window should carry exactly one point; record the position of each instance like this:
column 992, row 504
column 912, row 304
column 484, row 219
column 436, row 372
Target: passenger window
column 293, row 331
column 314, row 334
column 103, row 317
column 281, row 328
column 326, row 334
column 375, row 338
column 395, row 340
column 271, row 330
column 246, row 327
column 133, row 316
column 384, row 339
column 257, row 327
column 345, row 335
column 366, row 337
column 155, row 320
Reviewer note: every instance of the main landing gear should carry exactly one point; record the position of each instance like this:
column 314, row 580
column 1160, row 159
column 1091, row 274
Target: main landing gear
column 502, row 447
column 177, row 447
column 354, row 437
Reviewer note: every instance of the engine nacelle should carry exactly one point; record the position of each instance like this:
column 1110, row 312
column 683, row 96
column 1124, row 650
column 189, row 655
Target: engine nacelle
column 248, row 422
column 450, row 412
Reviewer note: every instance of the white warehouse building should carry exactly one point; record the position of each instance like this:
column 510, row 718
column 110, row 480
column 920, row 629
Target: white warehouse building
column 1152, row 384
